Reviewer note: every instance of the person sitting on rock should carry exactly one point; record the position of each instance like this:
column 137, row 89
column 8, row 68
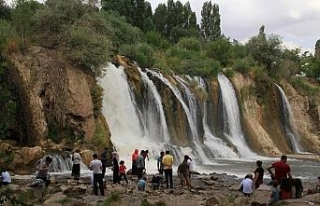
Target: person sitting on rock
column 246, row 185
column 5, row 177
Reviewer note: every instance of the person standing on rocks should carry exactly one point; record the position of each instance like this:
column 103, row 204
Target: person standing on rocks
column 104, row 160
column 122, row 171
column 140, row 164
column 96, row 167
column 258, row 175
column 160, row 164
column 168, row 161
column 183, row 173
column 134, row 158
column 76, row 158
column 190, row 164
column 115, row 162
column 281, row 170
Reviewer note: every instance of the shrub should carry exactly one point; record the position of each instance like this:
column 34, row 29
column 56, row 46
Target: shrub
column 90, row 53
column 97, row 99
column 100, row 135
column 192, row 44
column 228, row 72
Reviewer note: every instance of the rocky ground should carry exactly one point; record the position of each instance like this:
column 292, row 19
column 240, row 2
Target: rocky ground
column 208, row 190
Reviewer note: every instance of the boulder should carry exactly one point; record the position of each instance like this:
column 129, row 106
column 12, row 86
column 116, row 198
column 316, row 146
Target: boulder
column 218, row 199
column 241, row 201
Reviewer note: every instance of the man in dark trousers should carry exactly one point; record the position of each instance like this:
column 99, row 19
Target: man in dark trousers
column 167, row 161
column 104, row 160
column 96, row 167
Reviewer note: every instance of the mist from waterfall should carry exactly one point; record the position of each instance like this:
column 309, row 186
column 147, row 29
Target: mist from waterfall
column 289, row 123
column 231, row 118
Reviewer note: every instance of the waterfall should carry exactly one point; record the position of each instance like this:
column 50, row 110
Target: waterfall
column 231, row 118
column 62, row 163
column 154, row 116
column 127, row 132
column 191, row 100
column 289, row 124
column 217, row 146
column 195, row 137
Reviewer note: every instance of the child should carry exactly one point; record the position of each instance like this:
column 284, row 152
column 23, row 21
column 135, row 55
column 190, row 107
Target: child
column 142, row 184
column 122, row 171
column 275, row 193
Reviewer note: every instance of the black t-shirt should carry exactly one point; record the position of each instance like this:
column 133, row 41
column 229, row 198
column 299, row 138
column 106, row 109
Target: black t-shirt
column 260, row 170
column 104, row 159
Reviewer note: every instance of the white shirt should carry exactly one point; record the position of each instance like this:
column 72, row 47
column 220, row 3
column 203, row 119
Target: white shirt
column 189, row 162
column 96, row 166
column 247, row 186
column 76, row 158
column 5, row 177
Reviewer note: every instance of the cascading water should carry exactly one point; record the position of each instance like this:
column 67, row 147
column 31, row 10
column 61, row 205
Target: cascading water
column 289, row 123
column 154, row 116
column 231, row 118
column 62, row 163
column 127, row 134
column 195, row 137
column 217, row 146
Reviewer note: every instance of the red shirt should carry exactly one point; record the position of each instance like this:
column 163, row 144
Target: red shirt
column 281, row 170
column 122, row 169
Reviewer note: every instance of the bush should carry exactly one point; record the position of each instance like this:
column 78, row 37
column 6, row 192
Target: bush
column 89, row 53
column 304, row 87
column 228, row 72
column 97, row 99
column 243, row 65
column 192, row 44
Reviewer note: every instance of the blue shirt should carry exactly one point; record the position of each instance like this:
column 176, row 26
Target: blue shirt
column 141, row 184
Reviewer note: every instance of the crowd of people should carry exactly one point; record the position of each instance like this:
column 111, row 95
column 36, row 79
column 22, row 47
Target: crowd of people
column 165, row 163
column 281, row 181
column 280, row 174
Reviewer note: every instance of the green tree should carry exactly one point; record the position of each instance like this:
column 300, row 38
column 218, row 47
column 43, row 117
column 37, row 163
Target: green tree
column 160, row 19
column 210, row 22
column 266, row 50
column 139, row 14
column 22, row 18
column 220, row 50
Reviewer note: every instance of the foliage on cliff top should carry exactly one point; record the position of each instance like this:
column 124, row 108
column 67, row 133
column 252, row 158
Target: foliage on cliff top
column 169, row 38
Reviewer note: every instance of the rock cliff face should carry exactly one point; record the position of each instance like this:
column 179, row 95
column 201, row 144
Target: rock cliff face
column 306, row 111
column 57, row 101
column 261, row 112
column 262, row 122
column 55, row 96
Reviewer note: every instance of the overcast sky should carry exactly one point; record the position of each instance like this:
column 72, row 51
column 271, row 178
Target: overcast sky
column 296, row 21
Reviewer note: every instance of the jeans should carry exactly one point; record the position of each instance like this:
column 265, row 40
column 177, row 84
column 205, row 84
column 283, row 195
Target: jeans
column 97, row 179
column 168, row 175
